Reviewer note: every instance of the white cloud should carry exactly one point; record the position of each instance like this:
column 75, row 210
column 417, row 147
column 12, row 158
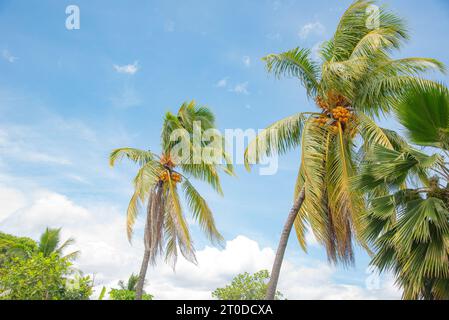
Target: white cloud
column 78, row 179
column 223, row 83
column 311, row 28
column 11, row 200
column 310, row 239
column 315, row 51
column 246, row 61
column 127, row 69
column 8, row 56
column 99, row 231
column 240, row 88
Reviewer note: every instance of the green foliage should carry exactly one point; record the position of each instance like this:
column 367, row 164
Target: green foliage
column 102, row 293
column 425, row 115
column 32, row 271
column 77, row 288
column 50, row 243
column 123, row 294
column 130, row 284
column 127, row 291
column 246, row 287
column 41, row 278
column 15, row 247
column 409, row 228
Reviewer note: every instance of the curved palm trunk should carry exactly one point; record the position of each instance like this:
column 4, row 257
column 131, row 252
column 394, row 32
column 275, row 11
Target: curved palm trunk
column 272, row 285
column 147, row 252
column 142, row 275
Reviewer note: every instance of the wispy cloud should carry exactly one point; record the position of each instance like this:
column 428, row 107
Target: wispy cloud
column 128, row 68
column 315, row 28
column 14, row 144
column 240, row 88
column 128, row 97
column 8, row 56
column 315, row 51
column 246, row 61
column 223, row 83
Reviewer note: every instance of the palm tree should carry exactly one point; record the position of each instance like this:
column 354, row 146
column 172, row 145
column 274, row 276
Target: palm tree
column 161, row 178
column 131, row 284
column 49, row 243
column 355, row 82
column 409, row 227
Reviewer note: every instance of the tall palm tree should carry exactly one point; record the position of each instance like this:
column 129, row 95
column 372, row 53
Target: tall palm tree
column 408, row 223
column 355, row 82
column 161, row 178
column 50, row 242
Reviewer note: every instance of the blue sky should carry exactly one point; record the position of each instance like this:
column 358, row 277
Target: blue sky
column 67, row 98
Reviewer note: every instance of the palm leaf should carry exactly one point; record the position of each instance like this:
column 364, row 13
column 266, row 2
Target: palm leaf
column 278, row 138
column 140, row 157
column 201, row 211
column 425, row 115
column 295, row 63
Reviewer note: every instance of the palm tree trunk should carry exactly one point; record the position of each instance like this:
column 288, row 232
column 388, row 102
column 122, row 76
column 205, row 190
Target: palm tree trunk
column 142, row 275
column 272, row 285
column 147, row 245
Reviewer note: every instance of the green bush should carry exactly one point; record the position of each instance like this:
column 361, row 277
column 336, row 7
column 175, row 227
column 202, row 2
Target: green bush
column 122, row 294
column 246, row 287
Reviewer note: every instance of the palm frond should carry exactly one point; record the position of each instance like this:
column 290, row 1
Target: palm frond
column 295, row 63
column 278, row 138
column 314, row 150
column 371, row 133
column 174, row 209
column 424, row 112
column 49, row 241
column 144, row 182
column 140, row 157
column 379, row 93
column 355, row 36
column 201, row 211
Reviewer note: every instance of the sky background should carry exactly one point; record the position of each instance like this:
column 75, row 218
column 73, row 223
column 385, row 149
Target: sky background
column 67, row 98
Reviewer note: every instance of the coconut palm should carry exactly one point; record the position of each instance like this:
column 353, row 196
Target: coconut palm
column 23, row 248
column 50, row 242
column 355, row 82
column 409, row 222
column 131, row 284
column 160, row 179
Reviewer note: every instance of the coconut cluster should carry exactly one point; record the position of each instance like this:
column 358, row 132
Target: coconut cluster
column 322, row 121
column 166, row 175
column 341, row 114
column 166, row 161
column 336, row 110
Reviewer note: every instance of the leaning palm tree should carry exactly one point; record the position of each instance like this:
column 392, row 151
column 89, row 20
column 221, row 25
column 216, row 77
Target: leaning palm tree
column 160, row 179
column 408, row 216
column 355, row 82
column 50, row 242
